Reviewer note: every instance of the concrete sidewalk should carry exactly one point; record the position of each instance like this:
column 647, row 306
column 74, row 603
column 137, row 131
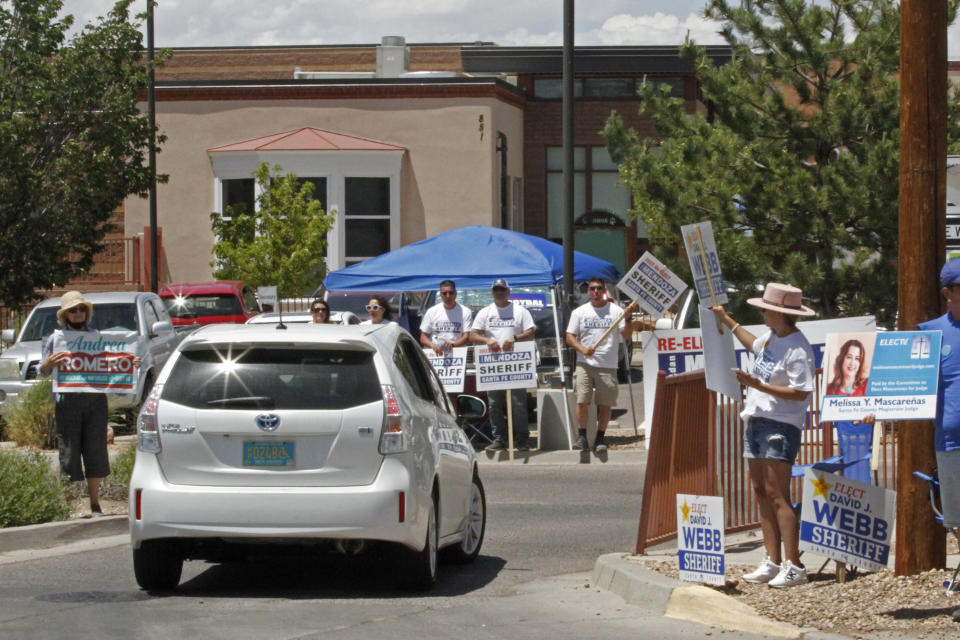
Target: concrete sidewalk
column 628, row 576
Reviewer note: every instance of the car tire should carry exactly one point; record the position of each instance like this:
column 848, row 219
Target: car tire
column 468, row 548
column 157, row 565
column 417, row 570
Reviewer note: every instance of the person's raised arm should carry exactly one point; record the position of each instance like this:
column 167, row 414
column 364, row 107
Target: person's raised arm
column 739, row 332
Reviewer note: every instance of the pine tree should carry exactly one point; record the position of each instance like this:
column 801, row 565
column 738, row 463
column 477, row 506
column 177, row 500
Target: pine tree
column 795, row 161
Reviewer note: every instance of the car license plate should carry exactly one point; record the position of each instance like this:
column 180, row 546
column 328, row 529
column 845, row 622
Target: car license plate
column 268, row 454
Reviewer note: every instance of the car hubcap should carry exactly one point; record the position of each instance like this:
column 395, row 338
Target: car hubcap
column 471, row 537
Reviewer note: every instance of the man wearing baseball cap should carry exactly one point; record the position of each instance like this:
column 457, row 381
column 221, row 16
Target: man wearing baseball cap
column 499, row 326
column 947, row 422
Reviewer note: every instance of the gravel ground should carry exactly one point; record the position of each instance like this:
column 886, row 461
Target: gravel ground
column 866, row 604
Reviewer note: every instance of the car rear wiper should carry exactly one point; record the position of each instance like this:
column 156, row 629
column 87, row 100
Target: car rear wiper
column 259, row 402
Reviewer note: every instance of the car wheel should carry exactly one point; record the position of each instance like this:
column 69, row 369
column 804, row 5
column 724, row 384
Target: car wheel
column 157, row 564
column 469, row 548
column 418, row 569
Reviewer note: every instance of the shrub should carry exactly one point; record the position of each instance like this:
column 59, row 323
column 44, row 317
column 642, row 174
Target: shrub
column 117, row 484
column 30, row 420
column 30, row 491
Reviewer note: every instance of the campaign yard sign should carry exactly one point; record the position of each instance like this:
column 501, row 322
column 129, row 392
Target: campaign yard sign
column 451, row 367
column 514, row 369
column 892, row 374
column 846, row 520
column 96, row 362
column 700, row 540
column 654, row 287
column 704, row 263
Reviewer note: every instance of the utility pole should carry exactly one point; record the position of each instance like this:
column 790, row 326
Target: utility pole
column 568, row 142
column 920, row 541
column 152, row 119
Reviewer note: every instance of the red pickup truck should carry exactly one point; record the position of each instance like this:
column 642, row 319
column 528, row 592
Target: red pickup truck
column 221, row 301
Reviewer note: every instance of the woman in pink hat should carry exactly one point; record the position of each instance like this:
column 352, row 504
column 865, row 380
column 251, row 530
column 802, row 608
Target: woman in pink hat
column 775, row 409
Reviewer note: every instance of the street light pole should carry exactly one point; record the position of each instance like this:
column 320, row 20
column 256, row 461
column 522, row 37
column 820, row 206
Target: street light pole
column 568, row 140
column 152, row 118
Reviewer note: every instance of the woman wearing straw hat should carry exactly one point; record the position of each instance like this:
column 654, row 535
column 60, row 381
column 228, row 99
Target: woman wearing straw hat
column 775, row 408
column 81, row 418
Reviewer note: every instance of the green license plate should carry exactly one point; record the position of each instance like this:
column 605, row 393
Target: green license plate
column 268, row 454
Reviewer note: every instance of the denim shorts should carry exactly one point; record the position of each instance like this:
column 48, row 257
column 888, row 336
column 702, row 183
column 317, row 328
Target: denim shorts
column 765, row 438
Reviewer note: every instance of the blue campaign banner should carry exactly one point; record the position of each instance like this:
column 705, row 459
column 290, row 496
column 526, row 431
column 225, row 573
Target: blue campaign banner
column 892, row 375
column 700, row 538
column 535, row 301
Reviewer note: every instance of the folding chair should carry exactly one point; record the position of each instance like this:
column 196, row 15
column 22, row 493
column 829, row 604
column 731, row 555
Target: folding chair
column 856, row 444
column 934, row 483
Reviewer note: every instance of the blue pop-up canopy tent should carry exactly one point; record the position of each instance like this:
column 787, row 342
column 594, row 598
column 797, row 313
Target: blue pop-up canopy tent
column 472, row 257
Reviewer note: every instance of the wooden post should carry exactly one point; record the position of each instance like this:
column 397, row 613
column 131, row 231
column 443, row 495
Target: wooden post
column 920, row 541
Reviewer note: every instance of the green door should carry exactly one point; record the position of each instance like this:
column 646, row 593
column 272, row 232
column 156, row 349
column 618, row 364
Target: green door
column 608, row 244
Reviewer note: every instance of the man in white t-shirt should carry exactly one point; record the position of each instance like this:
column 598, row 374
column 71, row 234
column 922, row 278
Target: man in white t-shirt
column 499, row 326
column 596, row 371
column 447, row 324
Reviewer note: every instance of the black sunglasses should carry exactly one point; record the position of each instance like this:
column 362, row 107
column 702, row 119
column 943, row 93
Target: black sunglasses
column 319, row 310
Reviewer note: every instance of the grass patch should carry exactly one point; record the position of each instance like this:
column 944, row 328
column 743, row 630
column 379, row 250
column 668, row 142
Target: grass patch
column 116, row 486
column 30, row 491
column 29, row 421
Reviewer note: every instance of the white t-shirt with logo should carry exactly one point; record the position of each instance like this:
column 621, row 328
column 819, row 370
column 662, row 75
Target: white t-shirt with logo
column 446, row 325
column 588, row 323
column 501, row 323
column 782, row 362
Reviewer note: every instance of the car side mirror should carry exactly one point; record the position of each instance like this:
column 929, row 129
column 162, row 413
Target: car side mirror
column 7, row 335
column 163, row 326
column 470, row 407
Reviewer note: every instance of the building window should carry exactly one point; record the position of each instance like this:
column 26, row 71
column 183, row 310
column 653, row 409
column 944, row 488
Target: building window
column 609, row 88
column 366, row 218
column 238, row 193
column 595, row 181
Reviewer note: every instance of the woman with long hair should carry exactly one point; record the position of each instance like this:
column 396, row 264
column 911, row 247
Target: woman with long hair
column 379, row 310
column 848, row 378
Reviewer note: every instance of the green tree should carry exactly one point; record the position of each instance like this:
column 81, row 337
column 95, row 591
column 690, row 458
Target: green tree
column 73, row 141
column 795, row 162
column 282, row 243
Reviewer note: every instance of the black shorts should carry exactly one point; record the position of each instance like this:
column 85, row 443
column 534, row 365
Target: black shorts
column 82, row 434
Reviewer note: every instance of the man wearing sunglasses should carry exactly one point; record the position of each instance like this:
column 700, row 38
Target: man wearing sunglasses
column 499, row 326
column 596, row 371
column 447, row 324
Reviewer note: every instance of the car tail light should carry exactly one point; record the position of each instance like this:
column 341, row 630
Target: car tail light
column 148, row 435
column 392, row 437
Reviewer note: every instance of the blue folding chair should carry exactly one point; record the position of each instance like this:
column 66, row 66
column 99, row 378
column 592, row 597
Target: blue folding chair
column 856, row 448
column 934, row 482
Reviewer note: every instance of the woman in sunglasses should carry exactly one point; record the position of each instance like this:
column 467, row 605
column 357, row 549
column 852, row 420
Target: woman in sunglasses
column 379, row 310
column 320, row 312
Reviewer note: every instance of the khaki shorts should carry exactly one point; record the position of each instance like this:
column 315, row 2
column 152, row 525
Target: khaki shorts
column 587, row 378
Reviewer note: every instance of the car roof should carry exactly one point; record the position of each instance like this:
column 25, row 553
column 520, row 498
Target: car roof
column 379, row 337
column 216, row 286
column 99, row 297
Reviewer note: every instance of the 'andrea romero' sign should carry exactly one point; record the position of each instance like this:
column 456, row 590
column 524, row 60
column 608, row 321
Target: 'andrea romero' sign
column 700, row 539
column 451, row 367
column 846, row 520
column 514, row 369
column 96, row 362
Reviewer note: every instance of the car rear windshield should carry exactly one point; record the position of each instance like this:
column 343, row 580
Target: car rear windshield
column 201, row 306
column 235, row 377
column 106, row 317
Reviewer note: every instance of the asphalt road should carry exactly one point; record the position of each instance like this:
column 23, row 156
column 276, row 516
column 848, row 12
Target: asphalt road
column 546, row 527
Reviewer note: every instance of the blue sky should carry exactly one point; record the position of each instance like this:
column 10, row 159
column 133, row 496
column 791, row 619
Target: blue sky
column 506, row 22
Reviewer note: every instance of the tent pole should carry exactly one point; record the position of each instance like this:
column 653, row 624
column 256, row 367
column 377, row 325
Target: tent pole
column 563, row 378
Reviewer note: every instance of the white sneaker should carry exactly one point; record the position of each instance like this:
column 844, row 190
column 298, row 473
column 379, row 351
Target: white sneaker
column 789, row 576
column 765, row 572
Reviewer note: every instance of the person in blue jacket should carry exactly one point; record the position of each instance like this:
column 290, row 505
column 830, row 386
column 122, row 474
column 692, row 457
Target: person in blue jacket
column 947, row 422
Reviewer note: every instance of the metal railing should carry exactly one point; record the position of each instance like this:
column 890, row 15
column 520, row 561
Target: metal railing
column 696, row 447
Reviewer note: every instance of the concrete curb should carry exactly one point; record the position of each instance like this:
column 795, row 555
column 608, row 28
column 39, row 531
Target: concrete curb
column 627, row 576
column 616, row 456
column 54, row 534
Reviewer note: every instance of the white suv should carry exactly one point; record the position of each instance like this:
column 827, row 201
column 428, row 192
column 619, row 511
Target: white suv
column 306, row 434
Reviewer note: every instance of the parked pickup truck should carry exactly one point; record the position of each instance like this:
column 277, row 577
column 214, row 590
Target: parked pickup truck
column 122, row 311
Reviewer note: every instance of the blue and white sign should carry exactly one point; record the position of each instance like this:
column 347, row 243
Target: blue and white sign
column 704, row 263
column 514, row 369
column 846, row 520
column 700, row 538
column 451, row 367
column 530, row 301
column 892, row 375
column 654, row 287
